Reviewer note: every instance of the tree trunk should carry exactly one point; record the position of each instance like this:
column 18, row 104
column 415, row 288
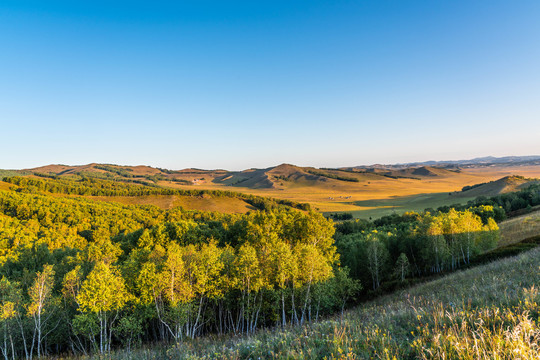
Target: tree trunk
column 283, row 320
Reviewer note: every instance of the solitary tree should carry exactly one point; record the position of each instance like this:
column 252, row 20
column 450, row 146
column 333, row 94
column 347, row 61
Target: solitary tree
column 402, row 267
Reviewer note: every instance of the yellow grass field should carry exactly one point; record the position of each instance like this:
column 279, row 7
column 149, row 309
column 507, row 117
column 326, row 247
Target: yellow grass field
column 204, row 203
column 5, row 186
column 375, row 196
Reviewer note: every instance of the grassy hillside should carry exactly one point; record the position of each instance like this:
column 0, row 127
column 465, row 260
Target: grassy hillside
column 519, row 228
column 487, row 312
column 4, row 185
column 501, row 186
column 229, row 205
column 113, row 190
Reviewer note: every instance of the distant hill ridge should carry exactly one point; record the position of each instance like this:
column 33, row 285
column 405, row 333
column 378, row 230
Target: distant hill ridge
column 276, row 177
column 476, row 162
column 145, row 169
column 364, row 191
column 282, row 175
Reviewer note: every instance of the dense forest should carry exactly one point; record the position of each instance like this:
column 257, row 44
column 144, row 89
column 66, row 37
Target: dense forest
column 81, row 276
column 88, row 185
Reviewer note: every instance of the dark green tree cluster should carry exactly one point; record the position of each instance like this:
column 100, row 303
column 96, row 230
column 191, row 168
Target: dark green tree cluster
column 332, row 176
column 340, row 216
column 123, row 172
column 397, row 247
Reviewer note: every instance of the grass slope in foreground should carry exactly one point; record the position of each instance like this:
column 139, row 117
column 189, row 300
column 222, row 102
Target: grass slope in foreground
column 488, row 312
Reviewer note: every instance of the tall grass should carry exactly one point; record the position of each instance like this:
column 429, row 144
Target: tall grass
column 488, row 312
column 520, row 228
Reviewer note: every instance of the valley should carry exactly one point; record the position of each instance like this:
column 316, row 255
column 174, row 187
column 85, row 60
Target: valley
column 137, row 262
column 365, row 192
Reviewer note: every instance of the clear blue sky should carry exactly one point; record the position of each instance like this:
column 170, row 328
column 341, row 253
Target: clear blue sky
column 239, row 84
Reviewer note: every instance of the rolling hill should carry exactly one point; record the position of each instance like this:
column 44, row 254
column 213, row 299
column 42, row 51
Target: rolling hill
column 267, row 178
column 365, row 191
column 501, row 186
column 476, row 162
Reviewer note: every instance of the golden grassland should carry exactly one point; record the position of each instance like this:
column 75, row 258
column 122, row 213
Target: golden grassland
column 204, row 203
column 5, row 186
column 488, row 312
column 374, row 195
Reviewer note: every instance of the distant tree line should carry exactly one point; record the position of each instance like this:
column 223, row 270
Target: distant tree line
column 340, row 216
column 123, row 172
column 332, row 176
column 470, row 187
column 375, row 173
column 128, row 173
